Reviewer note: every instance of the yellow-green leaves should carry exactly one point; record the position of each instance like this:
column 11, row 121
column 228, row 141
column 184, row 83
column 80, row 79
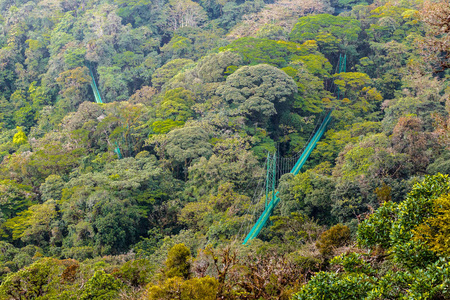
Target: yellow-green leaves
column 32, row 224
column 20, row 137
column 435, row 230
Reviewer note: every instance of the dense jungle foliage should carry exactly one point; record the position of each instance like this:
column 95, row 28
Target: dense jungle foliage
column 150, row 194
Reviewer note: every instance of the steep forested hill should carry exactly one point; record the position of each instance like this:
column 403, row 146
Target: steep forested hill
column 134, row 138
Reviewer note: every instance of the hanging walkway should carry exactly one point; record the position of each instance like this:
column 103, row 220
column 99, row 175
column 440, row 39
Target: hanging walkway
column 98, row 98
column 295, row 170
column 271, row 194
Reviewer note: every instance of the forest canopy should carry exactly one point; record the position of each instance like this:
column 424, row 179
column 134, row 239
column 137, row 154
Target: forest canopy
column 135, row 139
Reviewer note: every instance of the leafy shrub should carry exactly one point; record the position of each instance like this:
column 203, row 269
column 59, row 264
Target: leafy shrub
column 178, row 261
column 352, row 263
column 404, row 228
column 435, row 230
column 33, row 281
column 135, row 272
column 375, row 230
column 336, row 236
column 101, row 286
column 176, row 288
column 332, row 286
column 429, row 283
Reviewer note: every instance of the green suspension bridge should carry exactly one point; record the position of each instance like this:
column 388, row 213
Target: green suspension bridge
column 98, row 99
column 284, row 163
column 95, row 90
